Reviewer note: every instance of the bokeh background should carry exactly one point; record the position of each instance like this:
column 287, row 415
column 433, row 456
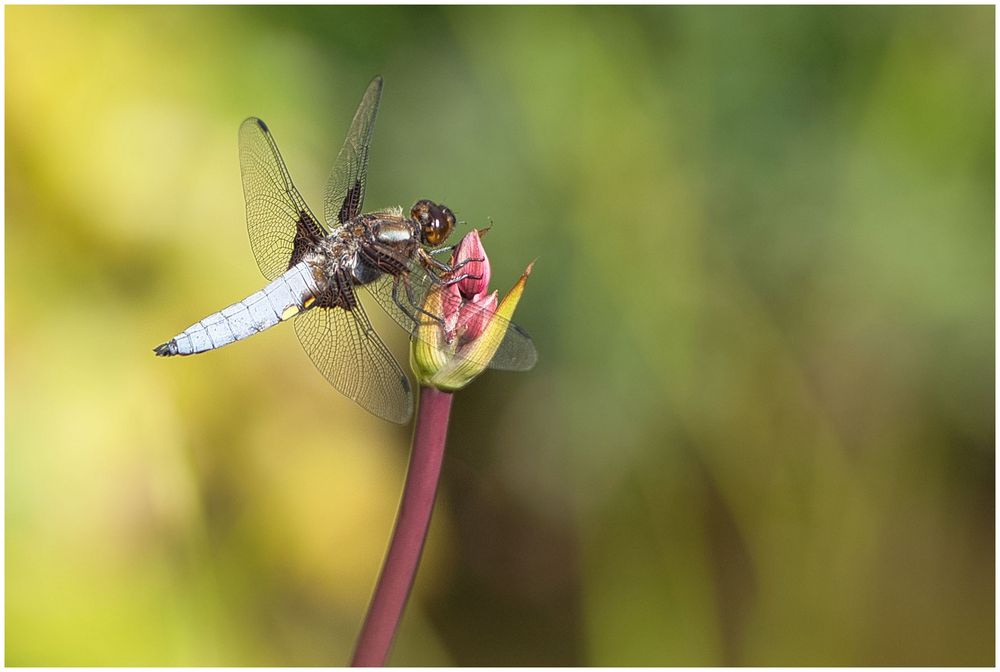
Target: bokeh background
column 761, row 430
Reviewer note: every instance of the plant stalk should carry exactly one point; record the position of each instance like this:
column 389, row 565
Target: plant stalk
column 408, row 536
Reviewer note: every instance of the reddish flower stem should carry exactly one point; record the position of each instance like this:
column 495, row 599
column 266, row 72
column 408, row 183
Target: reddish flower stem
column 412, row 521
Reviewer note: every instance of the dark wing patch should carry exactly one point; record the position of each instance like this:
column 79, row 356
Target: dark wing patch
column 308, row 232
column 352, row 202
column 345, row 188
column 277, row 215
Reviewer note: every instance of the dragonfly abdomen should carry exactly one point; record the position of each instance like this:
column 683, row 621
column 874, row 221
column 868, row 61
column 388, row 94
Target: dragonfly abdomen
column 286, row 296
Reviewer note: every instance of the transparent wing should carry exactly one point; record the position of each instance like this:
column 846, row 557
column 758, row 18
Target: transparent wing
column 277, row 215
column 516, row 351
column 347, row 351
column 345, row 188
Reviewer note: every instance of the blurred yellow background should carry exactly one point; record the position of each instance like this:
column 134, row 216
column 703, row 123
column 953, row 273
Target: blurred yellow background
column 761, row 428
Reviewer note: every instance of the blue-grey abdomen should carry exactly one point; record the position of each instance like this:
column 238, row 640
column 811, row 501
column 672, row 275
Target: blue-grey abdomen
column 285, row 297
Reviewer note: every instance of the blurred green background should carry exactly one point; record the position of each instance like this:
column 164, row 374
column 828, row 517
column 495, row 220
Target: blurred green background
column 761, row 430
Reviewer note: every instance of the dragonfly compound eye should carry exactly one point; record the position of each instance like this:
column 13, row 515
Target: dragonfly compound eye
column 421, row 212
column 449, row 217
column 436, row 222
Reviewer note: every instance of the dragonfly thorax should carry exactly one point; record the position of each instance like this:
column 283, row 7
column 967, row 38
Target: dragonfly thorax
column 362, row 250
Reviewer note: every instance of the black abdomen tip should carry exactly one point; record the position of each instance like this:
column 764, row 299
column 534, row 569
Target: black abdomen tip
column 166, row 349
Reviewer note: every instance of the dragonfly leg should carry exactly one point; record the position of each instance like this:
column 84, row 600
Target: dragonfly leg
column 463, row 276
column 428, row 261
column 440, row 265
column 447, row 248
column 447, row 268
column 416, row 304
column 467, row 261
column 396, row 300
column 413, row 303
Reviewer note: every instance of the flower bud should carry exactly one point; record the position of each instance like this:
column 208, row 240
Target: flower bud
column 470, row 249
column 449, row 356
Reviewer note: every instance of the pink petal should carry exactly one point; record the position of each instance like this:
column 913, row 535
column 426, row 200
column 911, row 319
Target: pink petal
column 471, row 247
column 451, row 307
column 476, row 316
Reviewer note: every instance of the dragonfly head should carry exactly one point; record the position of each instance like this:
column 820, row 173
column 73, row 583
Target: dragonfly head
column 436, row 221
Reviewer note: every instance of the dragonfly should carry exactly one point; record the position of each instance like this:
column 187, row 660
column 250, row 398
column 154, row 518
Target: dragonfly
column 315, row 271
